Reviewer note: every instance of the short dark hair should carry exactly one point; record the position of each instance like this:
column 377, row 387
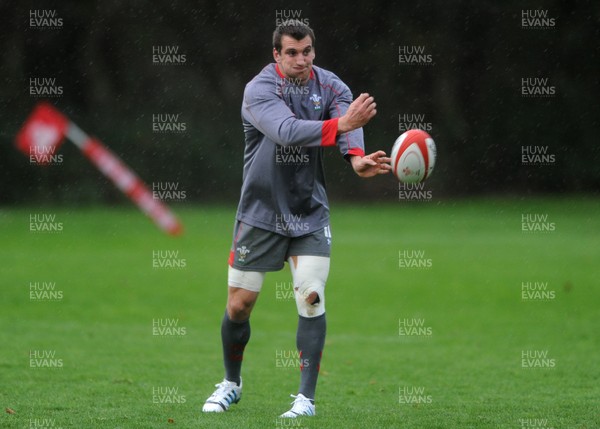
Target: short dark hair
column 294, row 28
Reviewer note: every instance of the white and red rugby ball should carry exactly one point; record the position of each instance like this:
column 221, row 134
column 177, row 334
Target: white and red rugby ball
column 413, row 156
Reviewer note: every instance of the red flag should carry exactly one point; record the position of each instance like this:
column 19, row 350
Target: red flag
column 42, row 133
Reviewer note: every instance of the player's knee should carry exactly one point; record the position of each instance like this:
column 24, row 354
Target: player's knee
column 313, row 298
column 310, row 275
column 310, row 298
column 239, row 309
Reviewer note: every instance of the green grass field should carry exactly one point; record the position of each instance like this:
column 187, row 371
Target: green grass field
column 467, row 374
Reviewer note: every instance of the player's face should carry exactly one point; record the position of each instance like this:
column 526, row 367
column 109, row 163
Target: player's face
column 296, row 57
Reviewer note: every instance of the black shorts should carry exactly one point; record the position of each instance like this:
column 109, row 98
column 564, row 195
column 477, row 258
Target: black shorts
column 256, row 249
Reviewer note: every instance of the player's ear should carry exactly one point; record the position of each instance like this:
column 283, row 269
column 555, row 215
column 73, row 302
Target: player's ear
column 276, row 55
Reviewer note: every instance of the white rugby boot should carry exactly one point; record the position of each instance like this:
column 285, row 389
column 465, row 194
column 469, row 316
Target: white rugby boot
column 227, row 393
column 302, row 406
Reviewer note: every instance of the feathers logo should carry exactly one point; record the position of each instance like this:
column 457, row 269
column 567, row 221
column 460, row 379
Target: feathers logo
column 243, row 252
column 316, row 99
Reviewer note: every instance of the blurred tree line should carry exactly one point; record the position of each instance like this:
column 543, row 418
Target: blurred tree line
column 469, row 90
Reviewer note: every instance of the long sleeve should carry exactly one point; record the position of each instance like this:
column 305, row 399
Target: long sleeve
column 351, row 143
column 269, row 114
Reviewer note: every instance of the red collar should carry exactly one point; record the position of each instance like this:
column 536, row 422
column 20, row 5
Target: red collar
column 281, row 75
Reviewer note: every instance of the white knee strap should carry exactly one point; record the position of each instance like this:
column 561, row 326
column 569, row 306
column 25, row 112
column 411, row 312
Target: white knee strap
column 310, row 275
column 249, row 280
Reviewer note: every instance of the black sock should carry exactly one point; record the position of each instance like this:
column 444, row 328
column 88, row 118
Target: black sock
column 310, row 340
column 235, row 336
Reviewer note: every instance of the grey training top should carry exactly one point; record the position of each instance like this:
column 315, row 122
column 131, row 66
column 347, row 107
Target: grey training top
column 286, row 126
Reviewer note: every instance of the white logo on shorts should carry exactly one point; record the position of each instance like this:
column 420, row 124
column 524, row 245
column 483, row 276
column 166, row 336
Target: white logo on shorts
column 327, row 232
column 243, row 251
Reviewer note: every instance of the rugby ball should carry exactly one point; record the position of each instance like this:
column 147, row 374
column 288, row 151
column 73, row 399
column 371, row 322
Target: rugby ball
column 413, row 156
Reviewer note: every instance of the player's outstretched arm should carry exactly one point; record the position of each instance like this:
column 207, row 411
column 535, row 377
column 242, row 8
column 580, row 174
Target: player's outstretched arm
column 371, row 165
column 359, row 113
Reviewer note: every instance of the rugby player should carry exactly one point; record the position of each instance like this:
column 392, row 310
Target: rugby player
column 291, row 111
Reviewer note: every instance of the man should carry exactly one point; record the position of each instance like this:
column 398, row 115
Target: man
column 290, row 111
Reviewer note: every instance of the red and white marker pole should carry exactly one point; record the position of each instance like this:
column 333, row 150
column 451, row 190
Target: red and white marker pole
column 125, row 179
column 42, row 134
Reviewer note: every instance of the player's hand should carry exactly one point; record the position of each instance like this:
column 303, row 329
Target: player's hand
column 358, row 114
column 371, row 165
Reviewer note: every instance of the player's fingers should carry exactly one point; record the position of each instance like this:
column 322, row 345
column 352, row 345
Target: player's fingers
column 369, row 102
column 370, row 161
column 362, row 97
column 364, row 100
column 378, row 155
column 386, row 167
column 374, row 156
